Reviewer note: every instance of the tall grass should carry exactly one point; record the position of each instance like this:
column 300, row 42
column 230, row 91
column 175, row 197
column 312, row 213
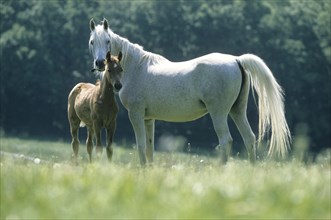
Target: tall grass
column 177, row 186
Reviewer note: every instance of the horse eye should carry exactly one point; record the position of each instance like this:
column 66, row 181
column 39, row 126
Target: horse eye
column 108, row 41
column 92, row 42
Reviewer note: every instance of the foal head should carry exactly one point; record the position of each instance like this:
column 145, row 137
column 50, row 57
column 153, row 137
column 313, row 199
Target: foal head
column 99, row 43
column 113, row 71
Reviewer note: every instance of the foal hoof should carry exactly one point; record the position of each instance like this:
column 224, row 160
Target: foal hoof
column 74, row 160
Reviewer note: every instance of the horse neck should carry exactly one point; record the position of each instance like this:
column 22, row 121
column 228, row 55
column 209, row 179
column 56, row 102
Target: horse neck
column 106, row 92
column 133, row 55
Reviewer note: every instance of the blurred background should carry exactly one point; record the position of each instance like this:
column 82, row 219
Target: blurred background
column 44, row 53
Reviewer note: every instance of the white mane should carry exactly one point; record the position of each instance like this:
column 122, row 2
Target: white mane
column 135, row 50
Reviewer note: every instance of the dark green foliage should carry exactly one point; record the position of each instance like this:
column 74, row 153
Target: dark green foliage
column 44, row 53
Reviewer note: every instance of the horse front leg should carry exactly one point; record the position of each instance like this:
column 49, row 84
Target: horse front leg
column 137, row 121
column 110, row 136
column 149, row 126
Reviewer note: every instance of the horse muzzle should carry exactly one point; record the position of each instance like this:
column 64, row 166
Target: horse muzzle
column 99, row 64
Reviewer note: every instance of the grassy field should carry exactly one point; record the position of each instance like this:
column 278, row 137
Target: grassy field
column 177, row 186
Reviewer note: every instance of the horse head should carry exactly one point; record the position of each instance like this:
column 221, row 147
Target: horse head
column 99, row 43
column 113, row 70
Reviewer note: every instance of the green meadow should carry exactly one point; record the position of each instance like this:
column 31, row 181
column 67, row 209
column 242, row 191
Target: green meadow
column 40, row 181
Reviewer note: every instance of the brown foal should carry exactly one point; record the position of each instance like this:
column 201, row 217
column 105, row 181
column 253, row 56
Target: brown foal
column 95, row 106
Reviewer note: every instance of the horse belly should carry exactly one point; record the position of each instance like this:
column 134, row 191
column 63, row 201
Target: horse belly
column 176, row 112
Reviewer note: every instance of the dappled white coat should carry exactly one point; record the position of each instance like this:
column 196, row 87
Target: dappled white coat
column 179, row 92
column 156, row 89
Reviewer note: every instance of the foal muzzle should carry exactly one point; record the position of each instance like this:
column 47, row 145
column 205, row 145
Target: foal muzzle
column 118, row 86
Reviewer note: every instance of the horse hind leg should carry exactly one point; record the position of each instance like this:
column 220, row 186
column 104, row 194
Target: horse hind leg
column 238, row 115
column 223, row 133
column 246, row 133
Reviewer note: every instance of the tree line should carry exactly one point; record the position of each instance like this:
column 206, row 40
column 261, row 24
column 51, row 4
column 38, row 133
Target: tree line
column 44, row 53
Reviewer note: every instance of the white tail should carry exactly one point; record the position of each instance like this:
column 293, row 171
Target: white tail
column 271, row 104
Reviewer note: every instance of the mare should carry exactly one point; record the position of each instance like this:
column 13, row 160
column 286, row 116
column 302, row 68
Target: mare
column 95, row 106
column 155, row 88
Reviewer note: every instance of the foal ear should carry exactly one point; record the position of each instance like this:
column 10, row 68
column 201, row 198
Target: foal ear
column 105, row 24
column 120, row 56
column 92, row 24
column 108, row 56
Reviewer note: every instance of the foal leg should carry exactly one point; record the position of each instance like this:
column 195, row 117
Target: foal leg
column 224, row 137
column 240, row 119
column 110, row 136
column 89, row 143
column 74, row 126
column 150, row 126
column 97, row 132
column 137, row 121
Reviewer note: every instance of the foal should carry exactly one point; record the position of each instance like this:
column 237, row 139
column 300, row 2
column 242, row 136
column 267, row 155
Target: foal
column 95, row 106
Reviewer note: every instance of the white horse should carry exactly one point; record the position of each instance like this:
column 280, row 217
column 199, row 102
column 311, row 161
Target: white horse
column 154, row 88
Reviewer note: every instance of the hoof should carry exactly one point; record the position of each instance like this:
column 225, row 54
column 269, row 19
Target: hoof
column 223, row 154
column 252, row 159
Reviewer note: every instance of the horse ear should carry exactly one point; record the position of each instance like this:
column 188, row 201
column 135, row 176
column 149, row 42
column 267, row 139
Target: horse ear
column 120, row 56
column 105, row 24
column 92, row 24
column 108, row 56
